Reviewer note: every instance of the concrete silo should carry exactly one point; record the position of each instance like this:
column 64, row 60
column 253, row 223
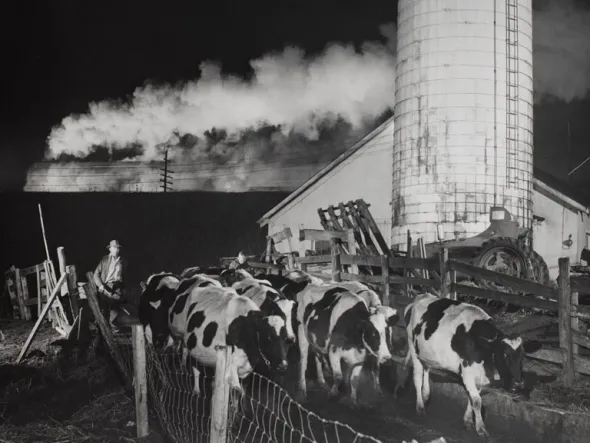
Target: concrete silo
column 463, row 138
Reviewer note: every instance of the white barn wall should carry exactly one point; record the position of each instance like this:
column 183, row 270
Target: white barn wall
column 365, row 175
column 559, row 223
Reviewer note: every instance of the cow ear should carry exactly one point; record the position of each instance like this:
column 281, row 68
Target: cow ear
column 392, row 321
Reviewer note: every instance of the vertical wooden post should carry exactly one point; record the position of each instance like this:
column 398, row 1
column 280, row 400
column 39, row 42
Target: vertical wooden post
column 140, row 381
column 565, row 327
column 354, row 269
column 61, row 263
column 386, row 285
column 39, row 292
column 407, row 272
column 221, row 392
column 268, row 249
column 453, row 278
column 575, row 324
column 25, row 314
column 73, row 287
column 443, row 257
column 336, row 264
column 291, row 261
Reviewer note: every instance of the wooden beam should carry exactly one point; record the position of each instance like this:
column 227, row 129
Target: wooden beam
column 580, row 339
column 580, row 284
column 318, row 234
column 284, row 234
column 393, row 279
column 565, row 327
column 314, row 259
column 29, row 340
column 526, row 286
column 528, row 324
column 140, row 381
column 518, row 300
column 581, row 364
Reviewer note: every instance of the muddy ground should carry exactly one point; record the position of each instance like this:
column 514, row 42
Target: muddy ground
column 67, row 395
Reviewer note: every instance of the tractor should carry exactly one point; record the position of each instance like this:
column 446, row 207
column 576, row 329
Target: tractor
column 503, row 247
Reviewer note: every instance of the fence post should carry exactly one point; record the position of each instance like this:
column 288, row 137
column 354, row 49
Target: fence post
column 336, row 264
column 443, row 257
column 354, row 269
column 221, row 392
column 565, row 327
column 407, row 272
column 453, row 278
column 140, row 381
column 386, row 284
column 575, row 325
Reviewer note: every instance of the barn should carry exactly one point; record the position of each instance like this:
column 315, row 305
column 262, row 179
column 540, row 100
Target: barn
column 561, row 223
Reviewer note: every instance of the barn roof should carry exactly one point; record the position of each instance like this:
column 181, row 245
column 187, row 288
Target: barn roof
column 545, row 183
column 325, row 171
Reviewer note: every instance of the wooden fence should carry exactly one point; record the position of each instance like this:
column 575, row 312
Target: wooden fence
column 563, row 300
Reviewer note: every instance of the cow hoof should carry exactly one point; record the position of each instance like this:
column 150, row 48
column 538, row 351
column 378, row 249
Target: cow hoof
column 483, row 433
column 468, row 424
column 300, row 397
column 420, row 412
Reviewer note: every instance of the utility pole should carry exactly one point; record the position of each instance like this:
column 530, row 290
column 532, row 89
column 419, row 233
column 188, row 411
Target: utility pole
column 166, row 180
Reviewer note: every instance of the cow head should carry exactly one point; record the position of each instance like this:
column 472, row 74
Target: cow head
column 391, row 318
column 508, row 354
column 259, row 337
column 288, row 307
column 373, row 331
column 228, row 277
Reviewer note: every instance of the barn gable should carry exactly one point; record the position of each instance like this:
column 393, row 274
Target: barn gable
column 344, row 179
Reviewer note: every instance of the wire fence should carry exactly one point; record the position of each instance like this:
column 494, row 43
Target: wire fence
column 261, row 411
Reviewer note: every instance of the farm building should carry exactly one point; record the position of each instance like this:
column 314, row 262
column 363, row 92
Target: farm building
column 364, row 171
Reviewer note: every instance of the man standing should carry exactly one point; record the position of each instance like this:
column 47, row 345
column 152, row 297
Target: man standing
column 109, row 278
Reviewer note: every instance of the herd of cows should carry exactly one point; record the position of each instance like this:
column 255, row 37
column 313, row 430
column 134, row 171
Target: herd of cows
column 275, row 321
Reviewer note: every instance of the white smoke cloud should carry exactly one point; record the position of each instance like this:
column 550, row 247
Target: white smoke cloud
column 561, row 50
column 288, row 89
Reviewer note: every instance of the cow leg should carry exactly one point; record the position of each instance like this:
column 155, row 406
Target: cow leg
column 320, row 372
column 336, row 364
column 418, row 381
column 426, row 385
column 303, row 356
column 468, row 416
column 355, row 377
column 196, row 373
column 148, row 334
column 475, row 400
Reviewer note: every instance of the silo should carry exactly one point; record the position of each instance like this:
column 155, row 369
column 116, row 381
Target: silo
column 463, row 138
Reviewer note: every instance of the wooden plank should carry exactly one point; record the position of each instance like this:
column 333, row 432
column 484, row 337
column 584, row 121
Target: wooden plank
column 354, row 269
column 321, row 275
column 73, row 287
column 444, row 287
column 318, row 234
column 336, row 264
column 565, row 326
column 518, row 300
column 581, row 364
column 394, row 262
column 258, row 265
column 314, row 259
column 407, row 272
column 25, row 313
column 580, row 339
column 580, row 284
column 528, row 324
column 29, row 340
column 363, row 209
column 364, row 228
column 281, row 235
column 453, row 281
column 140, row 381
column 27, row 271
column 348, row 259
column 386, row 286
column 581, row 311
column 91, row 291
column 526, row 286
column 574, row 322
column 39, row 294
column 393, row 279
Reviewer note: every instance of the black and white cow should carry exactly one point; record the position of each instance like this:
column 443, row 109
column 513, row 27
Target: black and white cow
column 460, row 338
column 178, row 310
column 219, row 316
column 158, row 295
column 341, row 326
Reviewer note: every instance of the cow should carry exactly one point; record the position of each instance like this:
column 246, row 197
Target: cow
column 229, row 276
column 341, row 326
column 189, row 272
column 219, row 316
column 157, row 296
column 178, row 310
column 460, row 338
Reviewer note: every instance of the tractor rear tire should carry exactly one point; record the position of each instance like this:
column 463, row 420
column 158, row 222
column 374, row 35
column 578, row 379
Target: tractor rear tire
column 518, row 261
column 539, row 269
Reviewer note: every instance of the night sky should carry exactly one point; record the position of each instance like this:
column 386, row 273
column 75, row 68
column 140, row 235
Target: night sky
column 60, row 55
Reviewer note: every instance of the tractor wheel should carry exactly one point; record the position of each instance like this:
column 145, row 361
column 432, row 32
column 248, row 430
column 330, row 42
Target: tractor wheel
column 504, row 255
column 539, row 269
